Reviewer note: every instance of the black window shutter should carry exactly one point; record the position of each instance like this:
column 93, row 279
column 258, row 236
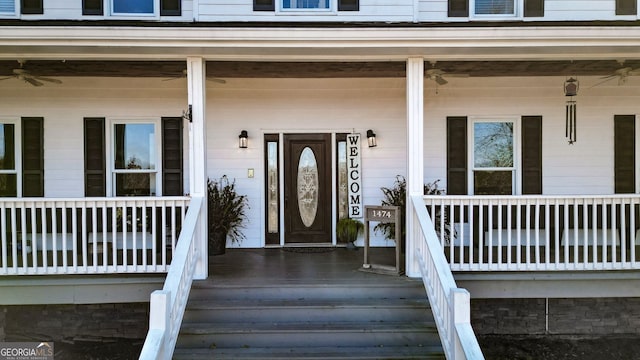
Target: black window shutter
column 532, row 155
column 458, row 8
column 31, row 6
column 94, row 157
column 348, row 5
column 264, row 5
column 533, row 8
column 624, row 154
column 32, row 156
column 172, row 156
column 92, row 7
column 626, row 7
column 457, row 155
column 170, row 7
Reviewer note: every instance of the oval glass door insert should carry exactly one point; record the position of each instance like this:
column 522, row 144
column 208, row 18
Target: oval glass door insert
column 307, row 186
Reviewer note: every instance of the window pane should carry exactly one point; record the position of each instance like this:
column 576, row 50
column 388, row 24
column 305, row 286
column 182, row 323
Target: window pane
column 493, row 7
column 343, row 191
column 7, row 6
column 133, row 6
column 307, row 186
column 136, row 184
column 493, row 144
column 135, row 146
column 8, row 185
column 272, row 187
column 492, row 182
column 305, row 4
column 7, row 147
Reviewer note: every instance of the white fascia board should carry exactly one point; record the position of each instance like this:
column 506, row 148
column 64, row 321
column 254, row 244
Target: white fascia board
column 498, row 43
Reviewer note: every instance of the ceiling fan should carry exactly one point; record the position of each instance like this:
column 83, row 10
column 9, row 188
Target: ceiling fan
column 438, row 75
column 184, row 76
column 26, row 76
column 622, row 74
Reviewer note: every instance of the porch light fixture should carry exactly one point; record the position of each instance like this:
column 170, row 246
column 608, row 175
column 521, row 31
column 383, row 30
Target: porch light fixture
column 371, row 138
column 571, row 87
column 243, row 139
column 186, row 114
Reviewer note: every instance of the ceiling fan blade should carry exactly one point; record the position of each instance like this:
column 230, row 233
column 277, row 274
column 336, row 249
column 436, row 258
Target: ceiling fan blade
column 51, row 80
column 609, row 77
column 32, row 81
column 219, row 81
column 6, row 78
column 606, row 78
column 440, row 80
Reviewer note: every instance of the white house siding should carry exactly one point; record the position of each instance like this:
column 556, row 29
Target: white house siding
column 554, row 10
column 64, row 107
column 586, row 167
column 303, row 105
column 72, row 10
column 370, row 10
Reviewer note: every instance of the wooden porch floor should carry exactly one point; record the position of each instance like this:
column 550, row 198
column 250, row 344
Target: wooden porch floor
column 299, row 265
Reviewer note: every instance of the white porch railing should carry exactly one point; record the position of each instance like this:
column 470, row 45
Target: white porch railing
column 450, row 305
column 538, row 233
column 40, row 236
column 168, row 305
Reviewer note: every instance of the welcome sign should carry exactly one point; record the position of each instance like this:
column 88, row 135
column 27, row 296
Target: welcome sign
column 354, row 176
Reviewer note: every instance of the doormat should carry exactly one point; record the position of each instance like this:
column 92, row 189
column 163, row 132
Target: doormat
column 309, row 250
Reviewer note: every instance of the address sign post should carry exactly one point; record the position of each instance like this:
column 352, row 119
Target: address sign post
column 382, row 214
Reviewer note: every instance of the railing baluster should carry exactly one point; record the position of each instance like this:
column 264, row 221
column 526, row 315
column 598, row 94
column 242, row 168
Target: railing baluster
column 83, row 235
column 509, row 233
column 527, row 227
column 623, row 232
column 163, row 227
column 31, row 236
column 614, row 238
column 632, row 227
column 105, row 241
column 94, row 236
column 134, row 233
column 65, row 260
column 480, row 234
column 44, row 232
column 499, row 232
column 585, row 248
column 518, row 234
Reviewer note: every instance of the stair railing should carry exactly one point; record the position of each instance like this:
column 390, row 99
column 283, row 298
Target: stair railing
column 451, row 306
column 168, row 305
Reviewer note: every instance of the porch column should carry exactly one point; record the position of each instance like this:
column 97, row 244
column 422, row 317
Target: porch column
column 415, row 150
column 196, row 72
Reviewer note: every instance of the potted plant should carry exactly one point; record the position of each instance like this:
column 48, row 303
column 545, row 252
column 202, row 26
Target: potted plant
column 226, row 213
column 347, row 231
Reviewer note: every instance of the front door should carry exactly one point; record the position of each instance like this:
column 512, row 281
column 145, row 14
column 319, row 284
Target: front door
column 307, row 188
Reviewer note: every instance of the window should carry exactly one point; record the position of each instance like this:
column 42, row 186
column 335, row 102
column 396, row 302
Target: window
column 8, row 170
column 306, row 5
column 134, row 158
column 32, row 7
column 133, row 162
column 272, row 189
column 133, row 7
column 493, row 157
column 7, row 7
column 494, row 7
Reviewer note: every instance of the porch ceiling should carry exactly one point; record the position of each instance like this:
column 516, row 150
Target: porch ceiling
column 255, row 69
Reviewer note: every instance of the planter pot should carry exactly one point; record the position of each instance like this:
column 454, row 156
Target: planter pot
column 217, row 243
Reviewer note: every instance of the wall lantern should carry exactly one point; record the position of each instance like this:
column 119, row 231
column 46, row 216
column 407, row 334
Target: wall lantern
column 371, row 138
column 571, row 87
column 243, row 139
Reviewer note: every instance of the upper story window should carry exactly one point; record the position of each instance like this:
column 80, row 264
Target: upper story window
column 7, row 7
column 495, row 7
column 8, row 169
column 292, row 6
column 306, row 4
column 133, row 7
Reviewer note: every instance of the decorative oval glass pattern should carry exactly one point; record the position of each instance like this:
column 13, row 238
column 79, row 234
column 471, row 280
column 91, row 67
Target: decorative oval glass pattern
column 307, row 186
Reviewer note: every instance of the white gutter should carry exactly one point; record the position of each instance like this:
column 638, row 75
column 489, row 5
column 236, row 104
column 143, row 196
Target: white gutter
column 326, row 43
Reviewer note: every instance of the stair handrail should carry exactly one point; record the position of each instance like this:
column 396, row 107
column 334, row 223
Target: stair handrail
column 167, row 306
column 451, row 306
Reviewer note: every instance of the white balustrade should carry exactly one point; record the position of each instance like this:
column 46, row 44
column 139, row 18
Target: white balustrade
column 537, row 233
column 451, row 306
column 168, row 305
column 40, row 236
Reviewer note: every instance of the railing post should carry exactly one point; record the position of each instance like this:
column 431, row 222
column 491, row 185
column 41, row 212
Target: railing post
column 160, row 317
column 461, row 305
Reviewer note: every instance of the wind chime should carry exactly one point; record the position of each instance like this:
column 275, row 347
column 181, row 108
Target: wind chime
column 571, row 89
